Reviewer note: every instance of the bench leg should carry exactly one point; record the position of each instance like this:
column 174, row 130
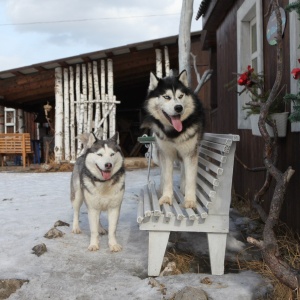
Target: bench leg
column 158, row 241
column 217, row 248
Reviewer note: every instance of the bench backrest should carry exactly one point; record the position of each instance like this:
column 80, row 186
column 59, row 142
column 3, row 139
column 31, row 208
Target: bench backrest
column 14, row 143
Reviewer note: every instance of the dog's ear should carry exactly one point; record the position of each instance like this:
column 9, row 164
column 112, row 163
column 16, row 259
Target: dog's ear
column 153, row 82
column 115, row 137
column 92, row 139
column 183, row 78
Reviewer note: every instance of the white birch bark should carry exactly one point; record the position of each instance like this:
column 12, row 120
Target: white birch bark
column 184, row 39
column 84, row 93
column 97, row 95
column 110, row 89
column 1, row 119
column 59, row 114
column 80, row 127
column 20, row 120
column 103, row 97
column 159, row 72
column 72, row 115
column 66, row 115
column 77, row 89
column 167, row 61
column 90, row 98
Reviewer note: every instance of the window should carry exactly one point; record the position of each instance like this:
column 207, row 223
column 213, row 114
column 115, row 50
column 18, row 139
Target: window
column 294, row 55
column 10, row 120
column 249, row 48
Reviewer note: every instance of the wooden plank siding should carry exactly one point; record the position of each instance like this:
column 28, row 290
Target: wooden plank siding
column 223, row 116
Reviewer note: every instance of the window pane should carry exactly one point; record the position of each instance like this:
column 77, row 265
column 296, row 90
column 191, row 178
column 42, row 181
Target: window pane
column 254, row 64
column 253, row 38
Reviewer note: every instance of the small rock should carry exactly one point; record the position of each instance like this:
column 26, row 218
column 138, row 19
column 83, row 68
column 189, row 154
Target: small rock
column 206, row 280
column 61, row 223
column 170, row 269
column 53, row 233
column 39, row 249
column 189, row 292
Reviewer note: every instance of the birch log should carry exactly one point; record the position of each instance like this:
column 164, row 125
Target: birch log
column 167, row 61
column 66, row 115
column 159, row 73
column 77, row 89
column 20, row 118
column 84, row 93
column 1, row 119
column 90, row 98
column 97, row 95
column 110, row 89
column 103, row 97
column 72, row 115
column 80, row 125
column 59, row 111
column 184, row 39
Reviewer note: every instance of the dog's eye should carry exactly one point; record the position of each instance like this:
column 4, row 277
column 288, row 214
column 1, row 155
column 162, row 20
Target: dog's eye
column 112, row 154
column 180, row 96
column 167, row 97
column 100, row 154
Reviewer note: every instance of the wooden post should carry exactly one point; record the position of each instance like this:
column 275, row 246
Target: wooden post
column 1, row 119
column 84, row 93
column 110, row 89
column 97, row 95
column 78, row 106
column 167, row 61
column 159, row 72
column 90, row 98
column 103, row 97
column 59, row 111
column 80, row 124
column 72, row 115
column 66, row 115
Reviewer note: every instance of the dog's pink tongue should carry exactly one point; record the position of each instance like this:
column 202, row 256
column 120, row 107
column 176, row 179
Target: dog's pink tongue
column 176, row 122
column 106, row 175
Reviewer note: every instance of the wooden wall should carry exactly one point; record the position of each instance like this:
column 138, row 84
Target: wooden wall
column 223, row 118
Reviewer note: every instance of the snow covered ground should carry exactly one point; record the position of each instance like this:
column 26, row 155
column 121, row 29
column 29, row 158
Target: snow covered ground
column 30, row 204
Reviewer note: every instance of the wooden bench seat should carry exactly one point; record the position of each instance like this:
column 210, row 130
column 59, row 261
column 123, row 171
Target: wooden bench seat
column 214, row 181
column 14, row 144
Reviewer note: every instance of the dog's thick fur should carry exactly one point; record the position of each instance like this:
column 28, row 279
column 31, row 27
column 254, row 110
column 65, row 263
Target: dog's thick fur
column 98, row 179
column 175, row 116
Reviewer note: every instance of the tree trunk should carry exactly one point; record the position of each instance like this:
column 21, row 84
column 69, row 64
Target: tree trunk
column 184, row 40
column 59, row 112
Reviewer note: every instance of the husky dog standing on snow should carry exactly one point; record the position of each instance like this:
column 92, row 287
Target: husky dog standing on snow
column 98, row 179
column 175, row 116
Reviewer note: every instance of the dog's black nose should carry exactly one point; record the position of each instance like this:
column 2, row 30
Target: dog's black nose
column 108, row 166
column 178, row 108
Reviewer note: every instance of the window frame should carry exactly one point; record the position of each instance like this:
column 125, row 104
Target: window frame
column 249, row 10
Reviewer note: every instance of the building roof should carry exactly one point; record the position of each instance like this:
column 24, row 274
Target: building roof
column 25, row 86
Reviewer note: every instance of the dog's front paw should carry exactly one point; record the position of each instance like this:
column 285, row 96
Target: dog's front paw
column 189, row 203
column 93, row 247
column 115, row 247
column 76, row 230
column 165, row 199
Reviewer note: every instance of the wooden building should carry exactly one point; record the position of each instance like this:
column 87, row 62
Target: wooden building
column 230, row 27
column 31, row 87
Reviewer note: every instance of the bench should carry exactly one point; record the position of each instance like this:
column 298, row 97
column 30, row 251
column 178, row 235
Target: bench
column 214, row 181
column 15, row 143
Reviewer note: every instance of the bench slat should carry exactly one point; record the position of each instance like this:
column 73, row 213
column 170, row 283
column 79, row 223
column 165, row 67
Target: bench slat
column 219, row 140
column 206, row 188
column 233, row 137
column 155, row 204
column 179, row 213
column 208, row 177
column 216, row 169
column 222, row 148
column 167, row 210
column 202, row 213
column 203, row 199
column 140, row 211
column 216, row 156
column 191, row 214
column 147, row 205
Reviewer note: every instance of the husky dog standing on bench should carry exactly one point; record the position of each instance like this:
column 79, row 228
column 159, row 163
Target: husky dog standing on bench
column 175, row 116
column 98, row 179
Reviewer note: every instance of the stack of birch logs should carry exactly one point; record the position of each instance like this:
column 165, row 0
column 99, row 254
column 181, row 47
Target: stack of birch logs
column 84, row 102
